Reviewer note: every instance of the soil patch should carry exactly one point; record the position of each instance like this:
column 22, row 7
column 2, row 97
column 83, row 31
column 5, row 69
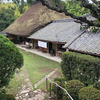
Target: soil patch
column 55, row 75
column 46, row 70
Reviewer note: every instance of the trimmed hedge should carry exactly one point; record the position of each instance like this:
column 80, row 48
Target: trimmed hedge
column 83, row 67
column 10, row 59
column 73, row 88
column 88, row 93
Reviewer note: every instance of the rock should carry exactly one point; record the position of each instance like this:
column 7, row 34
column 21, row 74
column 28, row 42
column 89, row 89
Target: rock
column 27, row 79
column 30, row 99
column 25, row 91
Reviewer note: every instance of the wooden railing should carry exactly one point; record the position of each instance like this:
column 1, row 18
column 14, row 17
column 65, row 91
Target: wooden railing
column 48, row 85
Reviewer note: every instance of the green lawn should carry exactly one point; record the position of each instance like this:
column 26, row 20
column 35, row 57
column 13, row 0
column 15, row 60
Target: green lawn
column 38, row 66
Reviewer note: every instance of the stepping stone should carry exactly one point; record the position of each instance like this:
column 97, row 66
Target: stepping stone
column 25, row 91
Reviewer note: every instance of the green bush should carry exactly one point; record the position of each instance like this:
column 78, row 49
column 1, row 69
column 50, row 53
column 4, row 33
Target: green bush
column 88, row 93
column 83, row 67
column 97, row 85
column 73, row 88
column 60, row 92
column 10, row 59
column 7, row 97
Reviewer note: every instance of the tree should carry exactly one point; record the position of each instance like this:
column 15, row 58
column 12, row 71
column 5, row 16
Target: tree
column 8, row 13
column 74, row 7
column 10, row 59
column 30, row 2
column 20, row 4
column 94, row 10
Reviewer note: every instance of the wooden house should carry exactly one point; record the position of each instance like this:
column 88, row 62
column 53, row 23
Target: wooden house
column 55, row 35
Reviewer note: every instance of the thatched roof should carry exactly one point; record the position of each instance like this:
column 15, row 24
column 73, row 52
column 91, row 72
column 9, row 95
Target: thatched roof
column 36, row 17
column 64, row 30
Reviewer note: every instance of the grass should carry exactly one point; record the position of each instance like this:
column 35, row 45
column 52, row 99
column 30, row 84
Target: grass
column 38, row 66
column 58, row 73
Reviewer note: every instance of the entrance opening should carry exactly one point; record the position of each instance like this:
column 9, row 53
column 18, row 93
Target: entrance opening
column 50, row 47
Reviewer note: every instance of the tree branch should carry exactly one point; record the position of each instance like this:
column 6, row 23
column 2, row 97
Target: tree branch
column 95, row 1
column 61, row 9
column 93, row 8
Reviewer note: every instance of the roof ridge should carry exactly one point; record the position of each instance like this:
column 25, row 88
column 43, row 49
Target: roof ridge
column 74, row 39
column 64, row 20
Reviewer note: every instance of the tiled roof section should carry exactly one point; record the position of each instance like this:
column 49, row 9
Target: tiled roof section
column 36, row 17
column 87, row 42
column 59, row 31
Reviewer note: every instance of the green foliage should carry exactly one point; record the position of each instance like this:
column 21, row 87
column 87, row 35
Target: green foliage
column 6, row 97
column 73, row 88
column 8, row 13
column 10, row 59
column 83, row 67
column 22, row 5
column 97, row 85
column 88, row 93
column 30, row 2
column 95, row 29
column 60, row 92
column 75, row 7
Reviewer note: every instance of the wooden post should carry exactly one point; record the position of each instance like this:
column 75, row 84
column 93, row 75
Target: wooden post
column 47, row 84
column 49, row 90
column 33, row 44
column 65, row 96
column 56, row 92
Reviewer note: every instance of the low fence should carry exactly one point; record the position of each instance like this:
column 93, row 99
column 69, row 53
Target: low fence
column 48, row 85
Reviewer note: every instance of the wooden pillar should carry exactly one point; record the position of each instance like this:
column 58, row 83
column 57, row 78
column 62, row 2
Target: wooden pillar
column 56, row 92
column 47, row 47
column 33, row 43
column 65, row 96
column 24, row 40
column 56, row 50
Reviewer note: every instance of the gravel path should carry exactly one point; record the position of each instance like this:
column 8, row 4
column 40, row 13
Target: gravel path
column 26, row 91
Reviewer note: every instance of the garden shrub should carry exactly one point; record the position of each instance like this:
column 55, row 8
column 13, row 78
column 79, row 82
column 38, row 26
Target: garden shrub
column 83, row 67
column 73, row 88
column 10, row 59
column 89, row 93
column 7, row 97
column 97, row 85
column 60, row 92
